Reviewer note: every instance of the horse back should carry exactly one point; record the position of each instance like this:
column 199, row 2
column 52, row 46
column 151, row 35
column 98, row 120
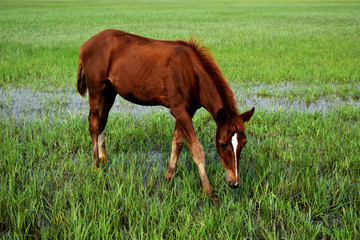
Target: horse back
column 142, row 70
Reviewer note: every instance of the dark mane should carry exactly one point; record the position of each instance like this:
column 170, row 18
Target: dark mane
column 211, row 67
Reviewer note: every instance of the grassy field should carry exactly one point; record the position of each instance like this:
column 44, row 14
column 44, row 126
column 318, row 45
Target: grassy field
column 254, row 42
column 299, row 172
column 300, row 179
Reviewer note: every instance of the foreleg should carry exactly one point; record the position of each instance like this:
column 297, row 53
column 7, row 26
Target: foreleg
column 177, row 145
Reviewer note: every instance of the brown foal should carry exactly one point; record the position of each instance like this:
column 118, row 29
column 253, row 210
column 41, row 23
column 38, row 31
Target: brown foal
column 179, row 75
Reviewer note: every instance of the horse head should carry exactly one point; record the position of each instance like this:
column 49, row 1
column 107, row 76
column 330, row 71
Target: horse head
column 230, row 140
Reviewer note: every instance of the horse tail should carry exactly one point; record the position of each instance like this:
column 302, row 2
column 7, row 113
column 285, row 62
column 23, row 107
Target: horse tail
column 81, row 80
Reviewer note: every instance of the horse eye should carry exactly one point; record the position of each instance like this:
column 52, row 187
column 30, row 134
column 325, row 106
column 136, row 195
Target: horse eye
column 223, row 145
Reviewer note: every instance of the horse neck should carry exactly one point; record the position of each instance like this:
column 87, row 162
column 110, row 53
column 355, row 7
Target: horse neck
column 210, row 98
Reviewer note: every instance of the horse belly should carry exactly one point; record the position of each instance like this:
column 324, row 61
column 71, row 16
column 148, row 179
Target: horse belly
column 142, row 92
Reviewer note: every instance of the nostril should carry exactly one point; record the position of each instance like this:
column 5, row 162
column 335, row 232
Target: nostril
column 232, row 185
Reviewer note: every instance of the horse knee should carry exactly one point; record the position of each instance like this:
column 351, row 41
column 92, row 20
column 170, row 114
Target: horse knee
column 177, row 146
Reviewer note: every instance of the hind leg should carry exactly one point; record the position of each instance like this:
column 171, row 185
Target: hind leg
column 106, row 103
column 94, row 102
column 98, row 99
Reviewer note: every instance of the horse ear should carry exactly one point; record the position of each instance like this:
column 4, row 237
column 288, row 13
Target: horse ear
column 247, row 115
column 221, row 116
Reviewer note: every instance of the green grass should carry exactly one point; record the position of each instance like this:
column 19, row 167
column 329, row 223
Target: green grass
column 300, row 179
column 253, row 42
column 299, row 171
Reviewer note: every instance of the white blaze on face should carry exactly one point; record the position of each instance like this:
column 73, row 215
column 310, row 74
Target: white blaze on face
column 234, row 143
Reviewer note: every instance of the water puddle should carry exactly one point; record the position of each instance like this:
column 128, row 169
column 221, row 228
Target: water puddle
column 275, row 104
column 271, row 98
column 28, row 104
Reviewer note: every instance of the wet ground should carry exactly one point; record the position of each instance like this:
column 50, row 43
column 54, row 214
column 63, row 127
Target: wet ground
column 29, row 104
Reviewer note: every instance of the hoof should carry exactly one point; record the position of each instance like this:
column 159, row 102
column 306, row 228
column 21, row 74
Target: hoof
column 95, row 169
column 103, row 160
column 99, row 163
column 211, row 193
column 169, row 174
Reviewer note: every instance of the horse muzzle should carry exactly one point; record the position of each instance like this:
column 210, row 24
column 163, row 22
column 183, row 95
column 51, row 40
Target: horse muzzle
column 233, row 185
